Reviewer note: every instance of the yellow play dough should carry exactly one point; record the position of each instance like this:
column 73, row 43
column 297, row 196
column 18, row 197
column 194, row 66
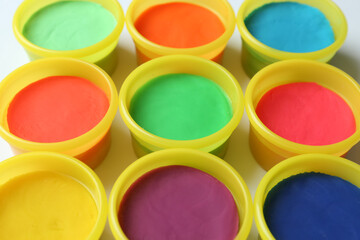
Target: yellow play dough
column 45, row 205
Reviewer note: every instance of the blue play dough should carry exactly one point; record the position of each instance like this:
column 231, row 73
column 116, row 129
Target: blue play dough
column 290, row 27
column 313, row 206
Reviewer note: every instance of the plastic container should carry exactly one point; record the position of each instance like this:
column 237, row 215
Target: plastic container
column 327, row 164
column 267, row 147
column 91, row 147
column 102, row 53
column 147, row 50
column 256, row 55
column 66, row 165
column 145, row 142
column 183, row 157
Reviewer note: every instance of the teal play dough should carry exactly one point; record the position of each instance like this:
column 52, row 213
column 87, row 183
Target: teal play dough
column 181, row 107
column 69, row 25
column 290, row 27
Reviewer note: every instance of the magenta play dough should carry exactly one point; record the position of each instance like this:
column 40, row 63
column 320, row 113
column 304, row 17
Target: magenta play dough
column 306, row 113
column 178, row 202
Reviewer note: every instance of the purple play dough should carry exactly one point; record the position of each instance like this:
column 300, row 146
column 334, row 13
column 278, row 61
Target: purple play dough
column 178, row 202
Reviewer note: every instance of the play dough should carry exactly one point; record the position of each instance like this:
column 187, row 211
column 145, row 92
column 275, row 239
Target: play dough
column 306, row 113
column 179, row 25
column 313, row 206
column 181, row 107
column 178, row 202
column 56, row 109
column 290, row 27
column 69, row 25
column 45, row 205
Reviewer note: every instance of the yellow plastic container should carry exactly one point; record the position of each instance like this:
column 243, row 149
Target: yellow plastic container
column 267, row 147
column 327, row 164
column 101, row 53
column 183, row 157
column 66, row 165
column 147, row 50
column 145, row 142
column 91, row 147
column 256, row 55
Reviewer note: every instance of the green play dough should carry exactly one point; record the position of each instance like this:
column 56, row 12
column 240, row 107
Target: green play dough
column 181, row 107
column 69, row 25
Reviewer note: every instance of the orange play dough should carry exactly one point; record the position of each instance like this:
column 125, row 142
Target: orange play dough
column 179, row 25
column 56, row 108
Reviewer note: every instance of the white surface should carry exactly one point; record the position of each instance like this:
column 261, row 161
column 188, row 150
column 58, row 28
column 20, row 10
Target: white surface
column 121, row 155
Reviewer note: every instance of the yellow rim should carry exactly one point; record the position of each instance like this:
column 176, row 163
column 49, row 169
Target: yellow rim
column 283, row 143
column 99, row 130
column 152, row 139
column 184, row 157
column 295, row 165
column 161, row 50
column 77, row 167
column 282, row 55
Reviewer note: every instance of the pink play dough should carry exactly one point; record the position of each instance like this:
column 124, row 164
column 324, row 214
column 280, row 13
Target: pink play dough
column 306, row 113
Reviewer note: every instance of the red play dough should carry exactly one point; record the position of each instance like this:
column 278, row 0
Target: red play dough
column 179, row 25
column 306, row 113
column 56, row 109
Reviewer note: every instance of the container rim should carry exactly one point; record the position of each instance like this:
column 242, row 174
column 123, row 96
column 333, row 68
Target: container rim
column 250, row 40
column 283, row 143
column 200, row 143
column 71, row 145
column 172, row 157
column 162, row 50
column 292, row 166
column 78, row 166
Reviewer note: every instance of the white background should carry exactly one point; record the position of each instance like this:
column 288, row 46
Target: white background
column 121, row 155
